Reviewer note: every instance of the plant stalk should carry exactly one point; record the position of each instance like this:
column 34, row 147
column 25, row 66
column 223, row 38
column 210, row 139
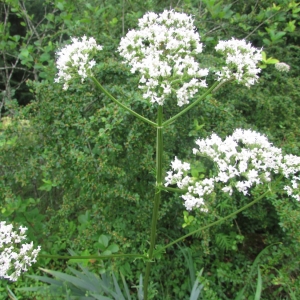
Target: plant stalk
column 159, row 152
column 98, row 84
column 214, row 223
column 91, row 256
column 210, row 90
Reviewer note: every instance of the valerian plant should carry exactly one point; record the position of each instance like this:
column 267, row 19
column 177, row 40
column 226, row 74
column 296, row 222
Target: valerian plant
column 165, row 50
column 15, row 256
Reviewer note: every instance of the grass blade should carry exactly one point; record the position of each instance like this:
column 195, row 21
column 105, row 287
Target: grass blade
column 259, row 285
column 11, row 294
column 197, row 287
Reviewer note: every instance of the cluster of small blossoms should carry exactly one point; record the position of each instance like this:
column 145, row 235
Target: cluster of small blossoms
column 15, row 256
column 241, row 61
column 163, row 50
column 75, row 60
column 243, row 160
column 282, row 67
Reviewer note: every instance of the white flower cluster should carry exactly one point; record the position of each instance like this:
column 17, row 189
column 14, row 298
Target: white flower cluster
column 282, row 67
column 74, row 60
column 163, row 50
column 241, row 61
column 243, row 160
column 15, row 257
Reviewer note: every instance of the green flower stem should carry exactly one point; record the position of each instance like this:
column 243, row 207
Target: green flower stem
column 168, row 122
column 214, row 223
column 120, row 104
column 92, row 256
column 159, row 152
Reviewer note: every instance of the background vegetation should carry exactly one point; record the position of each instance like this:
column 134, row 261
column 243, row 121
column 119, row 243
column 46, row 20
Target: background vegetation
column 75, row 167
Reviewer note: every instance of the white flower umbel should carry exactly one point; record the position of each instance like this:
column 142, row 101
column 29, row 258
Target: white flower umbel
column 74, row 60
column 163, row 51
column 282, row 67
column 15, row 256
column 241, row 61
column 242, row 160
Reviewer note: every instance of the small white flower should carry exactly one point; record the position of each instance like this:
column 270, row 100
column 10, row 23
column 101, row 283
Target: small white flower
column 282, row 67
column 243, row 160
column 227, row 189
column 74, row 60
column 163, row 51
column 241, row 61
column 14, row 256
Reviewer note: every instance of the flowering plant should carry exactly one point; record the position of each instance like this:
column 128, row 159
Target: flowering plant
column 282, row 67
column 243, row 160
column 74, row 60
column 241, row 61
column 165, row 51
column 15, row 256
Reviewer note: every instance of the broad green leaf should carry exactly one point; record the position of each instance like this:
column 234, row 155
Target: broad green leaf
column 113, row 248
column 60, row 5
column 83, row 219
column 272, row 61
column 103, row 240
column 45, row 57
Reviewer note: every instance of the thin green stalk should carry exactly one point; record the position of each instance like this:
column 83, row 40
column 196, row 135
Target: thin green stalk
column 98, row 84
column 214, row 223
column 191, row 105
column 159, row 152
column 92, row 256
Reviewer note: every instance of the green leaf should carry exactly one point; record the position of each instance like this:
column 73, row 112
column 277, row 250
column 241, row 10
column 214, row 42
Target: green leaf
column 197, row 287
column 60, row 5
column 113, row 248
column 259, row 285
column 11, row 294
column 290, row 26
column 125, row 287
column 24, row 53
column 194, row 173
column 45, row 57
column 272, row 61
column 103, row 240
column 71, row 279
column 84, row 261
column 113, row 22
column 89, row 6
column 83, row 219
